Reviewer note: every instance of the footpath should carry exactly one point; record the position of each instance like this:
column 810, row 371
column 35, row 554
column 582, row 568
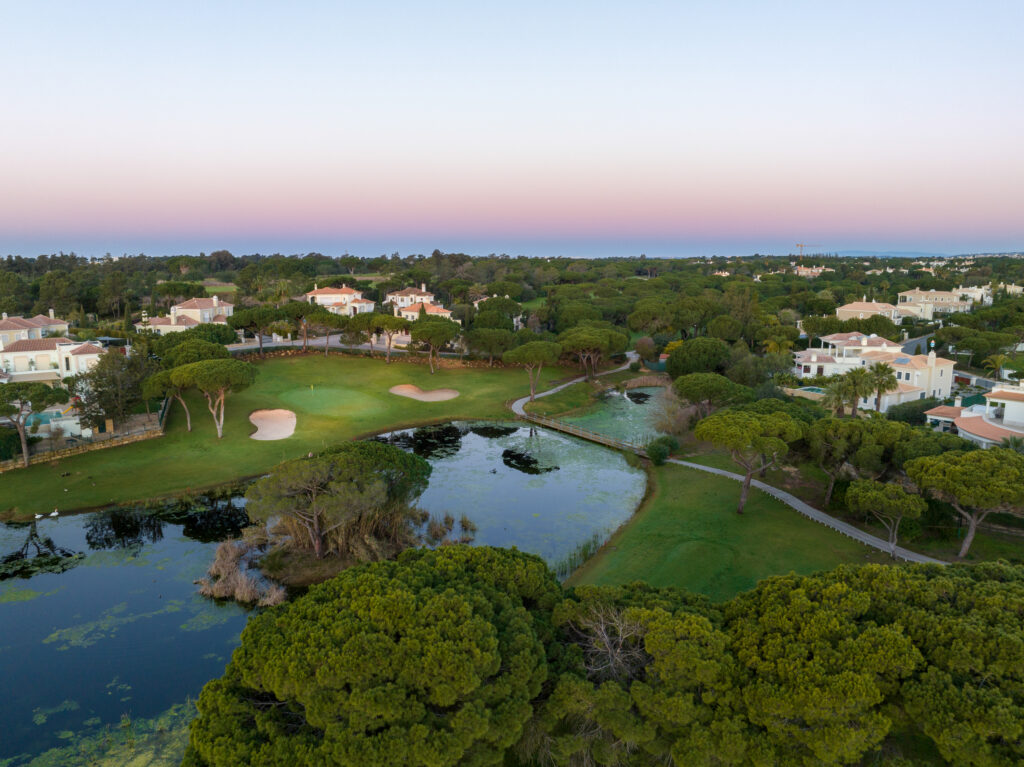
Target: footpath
column 518, row 407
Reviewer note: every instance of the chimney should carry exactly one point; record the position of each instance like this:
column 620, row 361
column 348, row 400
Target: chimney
column 174, row 315
column 958, row 402
column 931, row 359
column 315, row 286
column 51, row 314
column 216, row 300
column 3, row 316
column 423, row 287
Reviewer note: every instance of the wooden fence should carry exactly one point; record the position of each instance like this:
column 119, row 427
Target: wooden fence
column 636, row 383
column 135, row 435
column 592, row 436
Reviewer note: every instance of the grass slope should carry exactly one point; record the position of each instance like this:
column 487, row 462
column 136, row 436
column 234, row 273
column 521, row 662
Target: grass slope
column 688, row 534
column 335, row 398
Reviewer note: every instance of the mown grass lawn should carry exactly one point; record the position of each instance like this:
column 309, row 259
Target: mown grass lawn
column 335, row 398
column 688, row 534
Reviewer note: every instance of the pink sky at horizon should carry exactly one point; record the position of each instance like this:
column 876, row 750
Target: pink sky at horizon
column 861, row 126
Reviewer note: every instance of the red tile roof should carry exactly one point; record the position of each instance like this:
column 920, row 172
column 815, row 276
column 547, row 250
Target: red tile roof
column 87, row 349
column 428, row 308
column 410, row 292
column 34, row 345
column 344, row 290
column 945, row 411
column 1003, row 394
column 979, row 427
column 182, row 320
column 202, row 303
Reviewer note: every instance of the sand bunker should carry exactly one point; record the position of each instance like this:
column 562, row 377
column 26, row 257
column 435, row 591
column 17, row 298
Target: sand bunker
column 415, row 392
column 272, row 424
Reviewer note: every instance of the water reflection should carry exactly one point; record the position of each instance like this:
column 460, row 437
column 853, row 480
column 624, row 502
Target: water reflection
column 524, row 462
column 122, row 634
column 538, row 490
column 36, row 554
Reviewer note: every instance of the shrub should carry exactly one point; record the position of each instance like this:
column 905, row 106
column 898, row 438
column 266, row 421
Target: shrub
column 911, row 412
column 661, row 448
column 634, row 366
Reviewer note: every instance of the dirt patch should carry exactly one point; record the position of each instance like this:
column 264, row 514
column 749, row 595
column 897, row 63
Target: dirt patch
column 415, row 392
column 272, row 424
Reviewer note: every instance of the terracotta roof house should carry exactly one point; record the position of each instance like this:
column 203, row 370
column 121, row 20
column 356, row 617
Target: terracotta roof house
column 21, row 328
column 46, row 359
column 344, row 300
column 1001, row 417
column 412, row 312
column 188, row 314
column 860, row 310
column 400, row 299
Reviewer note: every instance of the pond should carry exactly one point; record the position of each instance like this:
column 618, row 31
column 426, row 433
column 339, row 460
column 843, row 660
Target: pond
column 105, row 643
column 102, row 627
column 539, row 490
column 628, row 416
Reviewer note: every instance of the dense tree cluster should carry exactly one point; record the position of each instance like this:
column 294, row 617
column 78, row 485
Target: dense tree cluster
column 476, row 656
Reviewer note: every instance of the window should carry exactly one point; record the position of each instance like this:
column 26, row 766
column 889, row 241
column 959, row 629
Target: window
column 67, row 363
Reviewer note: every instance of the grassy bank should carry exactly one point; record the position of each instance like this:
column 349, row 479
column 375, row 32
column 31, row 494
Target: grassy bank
column 335, row 399
column 688, row 534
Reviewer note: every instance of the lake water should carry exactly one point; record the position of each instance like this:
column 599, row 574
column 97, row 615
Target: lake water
column 101, row 625
column 104, row 640
column 539, row 490
column 627, row 416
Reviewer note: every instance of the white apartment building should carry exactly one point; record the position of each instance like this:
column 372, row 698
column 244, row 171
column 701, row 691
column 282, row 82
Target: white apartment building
column 927, row 303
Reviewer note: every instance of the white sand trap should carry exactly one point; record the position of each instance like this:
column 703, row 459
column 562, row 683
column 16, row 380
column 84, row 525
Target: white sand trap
column 272, row 424
column 415, row 392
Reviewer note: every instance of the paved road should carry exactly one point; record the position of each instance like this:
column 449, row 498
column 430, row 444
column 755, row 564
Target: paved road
column 910, row 345
column 519, row 405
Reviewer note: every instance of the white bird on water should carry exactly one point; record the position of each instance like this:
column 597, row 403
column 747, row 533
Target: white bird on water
column 53, row 513
column 39, row 516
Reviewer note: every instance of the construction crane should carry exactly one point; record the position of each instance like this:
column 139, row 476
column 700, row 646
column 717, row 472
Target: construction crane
column 803, row 245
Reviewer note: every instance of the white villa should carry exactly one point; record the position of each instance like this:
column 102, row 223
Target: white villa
column 188, row 314
column 406, row 297
column 28, row 328
column 917, row 375
column 412, row 311
column 47, row 360
column 345, row 301
column 1001, row 417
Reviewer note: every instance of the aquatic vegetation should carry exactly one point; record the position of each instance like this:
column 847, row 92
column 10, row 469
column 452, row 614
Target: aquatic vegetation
column 91, row 632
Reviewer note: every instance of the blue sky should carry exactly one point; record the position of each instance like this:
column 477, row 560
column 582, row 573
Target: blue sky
column 665, row 128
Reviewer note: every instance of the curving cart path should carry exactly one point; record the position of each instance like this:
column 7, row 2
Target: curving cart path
column 518, row 407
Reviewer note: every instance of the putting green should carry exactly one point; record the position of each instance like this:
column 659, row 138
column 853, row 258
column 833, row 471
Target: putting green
column 332, row 400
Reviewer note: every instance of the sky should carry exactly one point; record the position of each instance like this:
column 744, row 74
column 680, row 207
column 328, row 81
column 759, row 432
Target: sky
column 537, row 128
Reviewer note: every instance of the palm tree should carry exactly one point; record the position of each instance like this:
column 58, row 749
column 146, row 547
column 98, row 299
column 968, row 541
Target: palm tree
column 1013, row 443
column 883, row 379
column 857, row 383
column 778, row 345
column 835, row 398
column 995, row 364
